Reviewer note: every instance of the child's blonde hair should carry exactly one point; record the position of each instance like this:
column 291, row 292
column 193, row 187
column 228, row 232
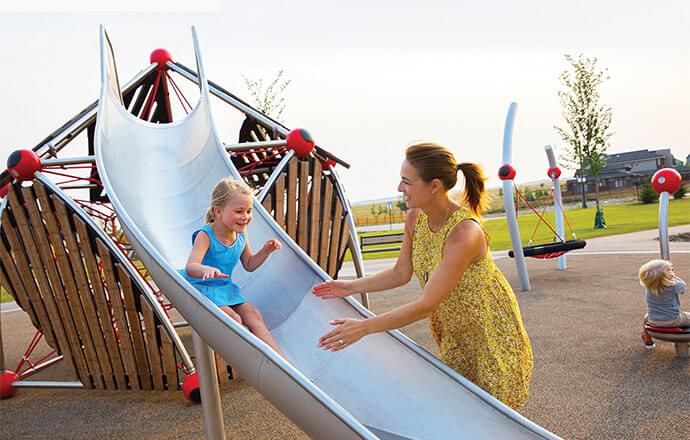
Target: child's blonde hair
column 223, row 192
column 655, row 275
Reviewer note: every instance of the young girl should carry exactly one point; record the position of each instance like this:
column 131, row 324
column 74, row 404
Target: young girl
column 219, row 245
column 662, row 287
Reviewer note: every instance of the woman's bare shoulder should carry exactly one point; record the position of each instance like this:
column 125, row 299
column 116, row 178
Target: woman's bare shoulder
column 467, row 231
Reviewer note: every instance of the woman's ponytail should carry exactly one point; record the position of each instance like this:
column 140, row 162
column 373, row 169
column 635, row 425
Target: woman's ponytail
column 475, row 194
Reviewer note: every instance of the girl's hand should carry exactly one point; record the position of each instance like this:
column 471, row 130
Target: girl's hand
column 347, row 332
column 211, row 273
column 272, row 246
column 333, row 289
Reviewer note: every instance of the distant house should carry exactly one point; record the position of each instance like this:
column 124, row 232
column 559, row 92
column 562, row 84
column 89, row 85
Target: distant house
column 630, row 169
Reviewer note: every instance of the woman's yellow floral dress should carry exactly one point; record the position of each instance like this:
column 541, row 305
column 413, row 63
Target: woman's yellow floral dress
column 477, row 326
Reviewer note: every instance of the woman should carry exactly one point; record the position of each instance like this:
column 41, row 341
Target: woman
column 473, row 313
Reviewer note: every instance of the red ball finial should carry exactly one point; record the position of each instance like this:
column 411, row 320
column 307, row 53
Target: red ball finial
column 666, row 180
column 160, row 57
column 299, row 140
column 7, row 378
column 554, row 172
column 506, row 172
column 190, row 387
column 22, row 164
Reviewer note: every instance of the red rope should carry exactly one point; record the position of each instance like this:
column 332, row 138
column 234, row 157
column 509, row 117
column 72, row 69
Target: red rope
column 541, row 217
column 262, row 161
column 537, row 213
column 564, row 216
column 179, row 94
column 88, row 179
column 152, row 98
column 29, row 351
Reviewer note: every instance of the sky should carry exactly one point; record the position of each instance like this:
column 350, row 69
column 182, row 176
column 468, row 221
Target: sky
column 367, row 78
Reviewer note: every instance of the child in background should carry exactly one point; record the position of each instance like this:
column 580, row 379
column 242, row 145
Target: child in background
column 219, row 245
column 662, row 287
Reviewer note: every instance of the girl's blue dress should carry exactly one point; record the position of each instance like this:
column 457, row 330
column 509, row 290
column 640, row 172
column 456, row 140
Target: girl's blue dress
column 221, row 291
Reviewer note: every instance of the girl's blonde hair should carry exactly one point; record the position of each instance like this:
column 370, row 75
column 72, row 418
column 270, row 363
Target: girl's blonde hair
column 433, row 161
column 656, row 275
column 223, row 192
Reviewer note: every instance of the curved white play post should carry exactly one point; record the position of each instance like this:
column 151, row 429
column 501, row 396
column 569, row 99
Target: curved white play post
column 665, row 181
column 509, row 202
column 558, row 202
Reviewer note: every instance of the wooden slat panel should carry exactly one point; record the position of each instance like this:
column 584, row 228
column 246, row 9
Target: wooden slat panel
column 221, row 370
column 152, row 350
column 62, row 296
column 125, row 343
column 169, row 363
column 303, row 210
column 99, row 297
column 268, row 203
column 87, row 301
column 314, row 216
column 279, row 205
column 135, row 327
column 291, row 219
column 264, row 132
column 344, row 244
column 326, row 207
column 31, row 268
column 56, row 294
column 65, row 261
column 20, row 294
column 335, row 238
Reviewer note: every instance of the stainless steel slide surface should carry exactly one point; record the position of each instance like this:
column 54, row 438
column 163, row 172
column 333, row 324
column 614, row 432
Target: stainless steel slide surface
column 159, row 179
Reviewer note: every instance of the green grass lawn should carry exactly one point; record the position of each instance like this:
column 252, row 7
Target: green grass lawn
column 4, row 296
column 620, row 219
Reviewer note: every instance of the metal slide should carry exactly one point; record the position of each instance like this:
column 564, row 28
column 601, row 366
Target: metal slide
column 159, row 179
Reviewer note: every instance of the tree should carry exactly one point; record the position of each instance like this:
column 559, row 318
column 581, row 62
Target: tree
column 375, row 211
column 647, row 193
column 401, row 205
column 681, row 192
column 268, row 101
column 587, row 123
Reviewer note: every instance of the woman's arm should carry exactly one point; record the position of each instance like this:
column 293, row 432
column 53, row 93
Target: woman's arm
column 396, row 276
column 251, row 261
column 465, row 244
column 194, row 268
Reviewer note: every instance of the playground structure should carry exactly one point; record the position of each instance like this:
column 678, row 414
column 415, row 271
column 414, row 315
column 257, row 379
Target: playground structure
column 65, row 260
column 560, row 245
column 157, row 174
column 666, row 181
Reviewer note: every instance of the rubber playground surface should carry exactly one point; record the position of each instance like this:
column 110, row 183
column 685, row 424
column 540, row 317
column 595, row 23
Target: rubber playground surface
column 593, row 379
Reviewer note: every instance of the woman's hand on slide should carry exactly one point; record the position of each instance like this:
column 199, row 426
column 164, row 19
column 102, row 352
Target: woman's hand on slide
column 211, row 273
column 347, row 332
column 333, row 289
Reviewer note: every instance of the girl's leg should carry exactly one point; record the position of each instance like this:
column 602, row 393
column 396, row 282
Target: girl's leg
column 648, row 341
column 231, row 313
column 252, row 318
